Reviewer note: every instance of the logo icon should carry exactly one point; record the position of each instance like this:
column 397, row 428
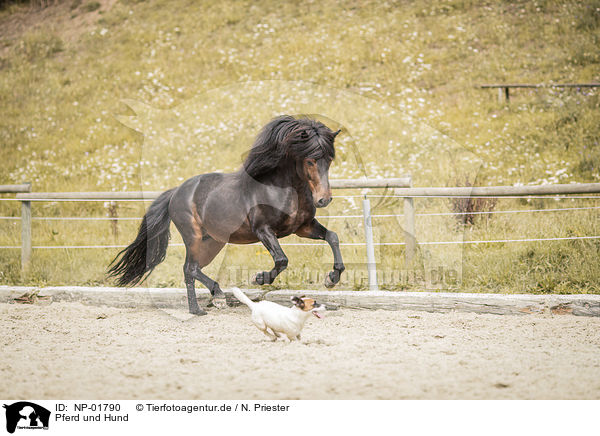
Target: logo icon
column 26, row 415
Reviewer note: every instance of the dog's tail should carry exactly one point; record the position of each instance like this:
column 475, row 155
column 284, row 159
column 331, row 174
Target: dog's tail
column 242, row 297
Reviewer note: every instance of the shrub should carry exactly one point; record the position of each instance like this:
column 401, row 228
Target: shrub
column 467, row 209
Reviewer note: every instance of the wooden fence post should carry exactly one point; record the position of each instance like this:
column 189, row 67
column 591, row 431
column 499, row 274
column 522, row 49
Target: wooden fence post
column 371, row 265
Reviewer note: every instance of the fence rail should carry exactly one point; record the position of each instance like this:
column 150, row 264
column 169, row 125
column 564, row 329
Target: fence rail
column 11, row 189
column 401, row 182
column 501, row 191
column 504, row 93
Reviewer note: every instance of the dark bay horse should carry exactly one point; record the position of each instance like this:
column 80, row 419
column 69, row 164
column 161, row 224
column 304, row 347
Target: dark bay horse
column 276, row 192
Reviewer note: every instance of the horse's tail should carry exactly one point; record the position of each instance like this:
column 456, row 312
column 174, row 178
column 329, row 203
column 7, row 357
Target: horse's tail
column 149, row 247
column 242, row 297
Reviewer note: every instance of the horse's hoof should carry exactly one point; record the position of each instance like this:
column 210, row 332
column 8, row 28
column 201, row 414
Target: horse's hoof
column 219, row 303
column 258, row 279
column 197, row 311
column 329, row 283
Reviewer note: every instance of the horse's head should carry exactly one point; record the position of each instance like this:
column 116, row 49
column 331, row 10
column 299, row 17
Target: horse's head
column 316, row 172
column 304, row 142
column 316, row 161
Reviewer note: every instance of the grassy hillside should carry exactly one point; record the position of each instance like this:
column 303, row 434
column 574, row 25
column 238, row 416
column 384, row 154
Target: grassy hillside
column 412, row 67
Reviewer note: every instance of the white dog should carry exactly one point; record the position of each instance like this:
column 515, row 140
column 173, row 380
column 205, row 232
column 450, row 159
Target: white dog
column 280, row 319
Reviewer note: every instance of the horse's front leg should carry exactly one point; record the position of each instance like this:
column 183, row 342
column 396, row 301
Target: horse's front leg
column 269, row 240
column 315, row 230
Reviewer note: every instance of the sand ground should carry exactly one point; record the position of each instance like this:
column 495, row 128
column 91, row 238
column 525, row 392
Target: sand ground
column 73, row 351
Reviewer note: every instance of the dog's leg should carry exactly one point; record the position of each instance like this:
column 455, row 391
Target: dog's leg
column 260, row 324
column 269, row 240
column 269, row 335
column 315, row 230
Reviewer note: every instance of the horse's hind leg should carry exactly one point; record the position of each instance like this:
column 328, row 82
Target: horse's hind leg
column 199, row 253
column 191, row 289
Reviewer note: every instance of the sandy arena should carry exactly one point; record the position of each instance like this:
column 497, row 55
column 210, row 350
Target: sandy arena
column 72, row 351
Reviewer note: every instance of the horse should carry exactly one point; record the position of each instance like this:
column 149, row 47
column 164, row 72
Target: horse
column 274, row 194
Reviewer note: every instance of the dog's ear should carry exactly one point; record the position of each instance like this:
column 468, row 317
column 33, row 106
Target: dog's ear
column 298, row 302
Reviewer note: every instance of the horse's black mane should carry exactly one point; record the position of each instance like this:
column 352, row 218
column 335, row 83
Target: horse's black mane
column 288, row 137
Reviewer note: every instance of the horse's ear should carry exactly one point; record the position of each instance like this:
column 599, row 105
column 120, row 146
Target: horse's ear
column 336, row 133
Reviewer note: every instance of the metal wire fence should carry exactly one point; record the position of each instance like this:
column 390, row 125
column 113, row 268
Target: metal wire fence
column 401, row 190
column 373, row 216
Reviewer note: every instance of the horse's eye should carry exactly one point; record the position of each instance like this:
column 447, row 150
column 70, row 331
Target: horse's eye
column 310, row 163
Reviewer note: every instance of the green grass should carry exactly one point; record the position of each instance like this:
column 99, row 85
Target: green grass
column 403, row 76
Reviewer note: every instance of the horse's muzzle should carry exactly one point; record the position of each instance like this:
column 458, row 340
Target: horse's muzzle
column 323, row 202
